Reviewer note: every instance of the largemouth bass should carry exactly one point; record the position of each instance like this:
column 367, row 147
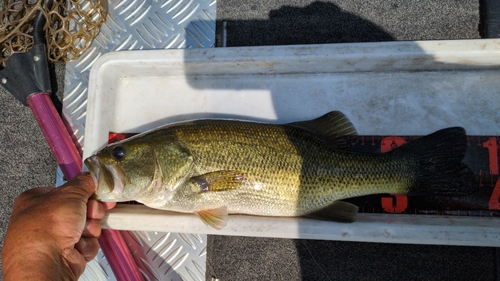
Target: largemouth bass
column 218, row 167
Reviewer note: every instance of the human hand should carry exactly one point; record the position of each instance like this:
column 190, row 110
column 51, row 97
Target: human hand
column 52, row 232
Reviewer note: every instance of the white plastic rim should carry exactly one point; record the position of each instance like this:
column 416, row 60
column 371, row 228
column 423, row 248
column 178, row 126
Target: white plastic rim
column 383, row 228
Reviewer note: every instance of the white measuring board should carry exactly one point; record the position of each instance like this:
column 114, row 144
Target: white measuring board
column 394, row 88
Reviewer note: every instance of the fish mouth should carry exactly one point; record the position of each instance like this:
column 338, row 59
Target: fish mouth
column 109, row 180
column 93, row 168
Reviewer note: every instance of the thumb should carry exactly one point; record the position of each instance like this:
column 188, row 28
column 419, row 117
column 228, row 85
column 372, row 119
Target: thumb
column 82, row 185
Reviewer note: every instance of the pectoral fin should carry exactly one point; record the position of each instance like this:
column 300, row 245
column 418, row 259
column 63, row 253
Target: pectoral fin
column 338, row 211
column 216, row 218
column 217, row 181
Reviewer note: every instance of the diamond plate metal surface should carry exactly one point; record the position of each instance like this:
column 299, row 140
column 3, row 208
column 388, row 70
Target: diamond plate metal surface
column 142, row 25
column 137, row 25
column 168, row 256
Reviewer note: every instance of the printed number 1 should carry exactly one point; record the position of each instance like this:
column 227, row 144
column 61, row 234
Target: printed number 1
column 396, row 203
column 492, row 147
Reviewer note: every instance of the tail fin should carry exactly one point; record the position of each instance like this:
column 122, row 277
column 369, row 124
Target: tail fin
column 439, row 160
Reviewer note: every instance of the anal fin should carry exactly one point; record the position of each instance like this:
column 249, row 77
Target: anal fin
column 216, row 218
column 339, row 211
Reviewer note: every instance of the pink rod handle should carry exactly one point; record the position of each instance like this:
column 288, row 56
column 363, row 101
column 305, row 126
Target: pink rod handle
column 70, row 161
column 55, row 133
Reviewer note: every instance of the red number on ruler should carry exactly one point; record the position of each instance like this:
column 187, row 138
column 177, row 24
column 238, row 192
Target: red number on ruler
column 494, row 204
column 114, row 137
column 396, row 203
column 390, row 143
column 492, row 147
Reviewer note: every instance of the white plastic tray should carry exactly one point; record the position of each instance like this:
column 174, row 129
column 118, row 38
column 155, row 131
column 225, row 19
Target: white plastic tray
column 397, row 88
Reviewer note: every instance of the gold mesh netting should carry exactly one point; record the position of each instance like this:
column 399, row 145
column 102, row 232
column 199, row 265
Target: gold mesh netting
column 71, row 26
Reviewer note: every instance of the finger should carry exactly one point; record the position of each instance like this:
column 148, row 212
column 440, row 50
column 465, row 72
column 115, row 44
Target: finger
column 108, row 205
column 92, row 229
column 88, row 247
column 82, row 184
column 95, row 210
column 76, row 261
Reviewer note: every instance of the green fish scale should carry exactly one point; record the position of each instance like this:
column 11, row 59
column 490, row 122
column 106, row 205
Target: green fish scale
column 288, row 171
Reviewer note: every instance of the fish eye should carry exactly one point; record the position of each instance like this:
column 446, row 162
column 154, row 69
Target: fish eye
column 118, row 152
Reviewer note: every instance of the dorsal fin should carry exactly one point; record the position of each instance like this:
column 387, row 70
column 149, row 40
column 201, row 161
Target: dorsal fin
column 335, row 125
